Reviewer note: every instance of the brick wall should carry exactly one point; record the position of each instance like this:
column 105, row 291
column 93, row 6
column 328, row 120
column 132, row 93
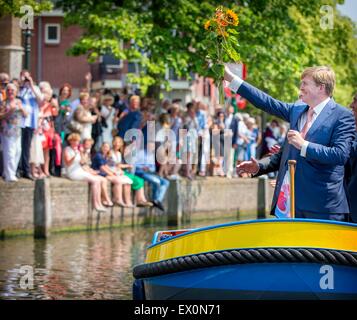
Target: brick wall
column 58, row 67
column 16, row 205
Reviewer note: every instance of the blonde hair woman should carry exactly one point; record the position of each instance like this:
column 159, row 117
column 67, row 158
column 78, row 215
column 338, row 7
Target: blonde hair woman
column 72, row 162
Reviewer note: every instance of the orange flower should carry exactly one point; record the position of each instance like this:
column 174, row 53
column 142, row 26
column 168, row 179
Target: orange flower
column 220, row 17
column 232, row 17
column 222, row 22
column 207, row 24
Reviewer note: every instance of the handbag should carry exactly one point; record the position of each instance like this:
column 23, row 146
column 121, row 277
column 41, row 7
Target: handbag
column 75, row 127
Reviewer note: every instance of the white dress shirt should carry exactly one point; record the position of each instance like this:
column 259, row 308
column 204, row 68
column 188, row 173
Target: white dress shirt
column 303, row 119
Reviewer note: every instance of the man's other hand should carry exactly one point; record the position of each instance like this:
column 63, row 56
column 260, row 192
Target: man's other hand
column 251, row 167
column 295, row 139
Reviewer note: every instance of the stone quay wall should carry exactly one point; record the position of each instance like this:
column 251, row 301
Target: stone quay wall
column 58, row 204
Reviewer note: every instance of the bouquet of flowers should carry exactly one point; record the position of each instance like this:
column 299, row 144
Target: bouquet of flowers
column 221, row 44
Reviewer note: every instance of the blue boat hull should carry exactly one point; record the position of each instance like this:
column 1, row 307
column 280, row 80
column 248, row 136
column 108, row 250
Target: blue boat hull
column 265, row 281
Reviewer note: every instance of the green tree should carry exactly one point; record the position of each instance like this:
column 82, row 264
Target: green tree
column 277, row 38
column 13, row 7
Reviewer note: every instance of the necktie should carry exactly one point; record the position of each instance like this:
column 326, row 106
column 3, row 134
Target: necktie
column 308, row 122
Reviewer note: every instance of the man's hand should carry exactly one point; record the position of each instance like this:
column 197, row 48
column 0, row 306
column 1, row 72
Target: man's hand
column 251, row 167
column 228, row 74
column 295, row 138
column 88, row 77
column 30, row 80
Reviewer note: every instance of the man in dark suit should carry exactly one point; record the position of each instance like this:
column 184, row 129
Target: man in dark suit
column 269, row 164
column 319, row 139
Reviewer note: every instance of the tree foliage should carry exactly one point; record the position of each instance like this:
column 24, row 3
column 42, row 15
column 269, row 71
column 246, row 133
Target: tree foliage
column 277, row 38
column 13, row 7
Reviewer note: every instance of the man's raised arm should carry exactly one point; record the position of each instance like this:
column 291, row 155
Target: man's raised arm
column 257, row 97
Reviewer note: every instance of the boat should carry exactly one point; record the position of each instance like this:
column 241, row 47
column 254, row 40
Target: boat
column 259, row 259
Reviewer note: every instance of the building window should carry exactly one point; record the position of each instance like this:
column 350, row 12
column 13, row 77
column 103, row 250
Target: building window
column 133, row 67
column 52, row 33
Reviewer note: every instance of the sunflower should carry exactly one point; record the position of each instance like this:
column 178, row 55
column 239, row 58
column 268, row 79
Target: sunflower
column 232, row 17
column 207, row 24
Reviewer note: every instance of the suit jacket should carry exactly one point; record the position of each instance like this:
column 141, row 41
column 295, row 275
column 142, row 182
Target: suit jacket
column 319, row 186
column 269, row 164
column 351, row 180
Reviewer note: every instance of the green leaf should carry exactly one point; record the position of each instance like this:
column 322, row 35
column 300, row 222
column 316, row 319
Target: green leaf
column 218, row 70
column 232, row 31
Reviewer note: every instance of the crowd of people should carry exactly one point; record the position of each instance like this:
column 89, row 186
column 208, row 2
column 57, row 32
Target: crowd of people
column 86, row 138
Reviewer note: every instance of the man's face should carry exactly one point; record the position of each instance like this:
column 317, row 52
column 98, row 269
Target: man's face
column 134, row 104
column 309, row 90
column 24, row 75
column 353, row 106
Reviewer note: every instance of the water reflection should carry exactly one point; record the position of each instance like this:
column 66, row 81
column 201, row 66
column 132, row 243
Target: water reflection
column 82, row 265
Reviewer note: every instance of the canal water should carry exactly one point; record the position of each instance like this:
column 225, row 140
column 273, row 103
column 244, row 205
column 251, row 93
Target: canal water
column 77, row 265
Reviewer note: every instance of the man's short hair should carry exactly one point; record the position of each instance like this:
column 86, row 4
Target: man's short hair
column 134, row 98
column 322, row 75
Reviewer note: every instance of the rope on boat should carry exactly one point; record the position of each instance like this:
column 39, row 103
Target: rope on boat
column 245, row 256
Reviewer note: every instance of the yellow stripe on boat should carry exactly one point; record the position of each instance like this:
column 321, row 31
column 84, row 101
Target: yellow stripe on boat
column 258, row 234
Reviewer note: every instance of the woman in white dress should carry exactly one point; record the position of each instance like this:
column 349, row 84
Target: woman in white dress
column 11, row 113
column 72, row 162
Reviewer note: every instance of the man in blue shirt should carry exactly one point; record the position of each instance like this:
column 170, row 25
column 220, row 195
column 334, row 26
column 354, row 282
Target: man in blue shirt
column 32, row 99
column 145, row 169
